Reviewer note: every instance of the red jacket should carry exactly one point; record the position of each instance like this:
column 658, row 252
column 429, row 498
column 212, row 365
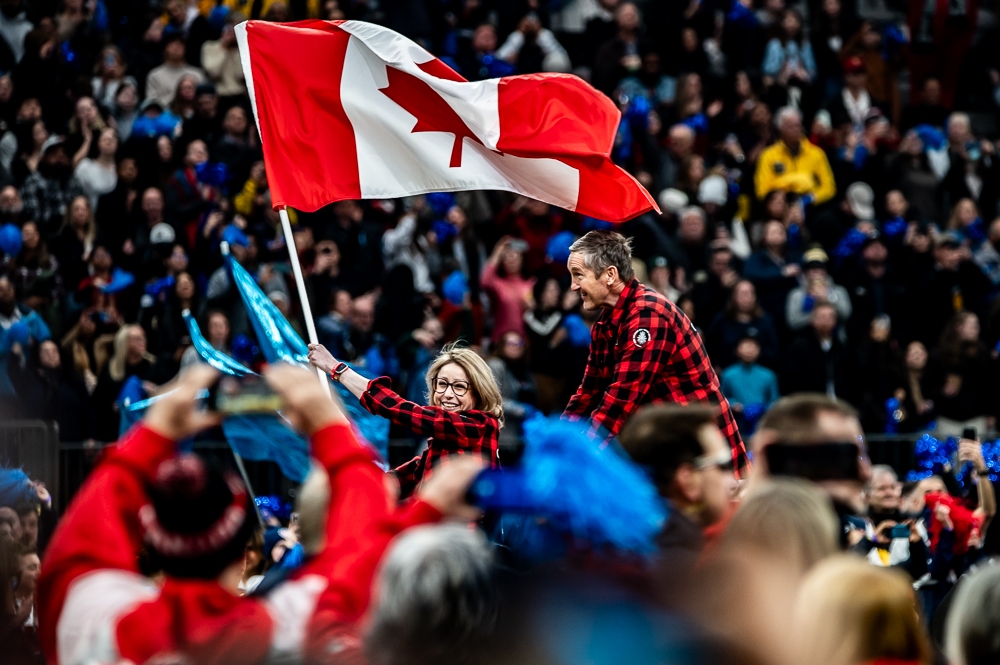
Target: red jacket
column 646, row 350
column 463, row 433
column 95, row 607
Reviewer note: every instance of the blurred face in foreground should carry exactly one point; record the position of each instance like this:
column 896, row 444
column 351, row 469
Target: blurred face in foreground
column 830, row 427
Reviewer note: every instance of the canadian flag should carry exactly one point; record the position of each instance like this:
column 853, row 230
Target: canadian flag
column 351, row 110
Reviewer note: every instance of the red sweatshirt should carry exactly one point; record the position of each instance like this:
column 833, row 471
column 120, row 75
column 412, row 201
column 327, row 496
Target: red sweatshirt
column 94, row 607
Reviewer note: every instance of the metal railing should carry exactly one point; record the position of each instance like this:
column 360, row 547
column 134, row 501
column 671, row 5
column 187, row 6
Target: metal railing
column 34, row 445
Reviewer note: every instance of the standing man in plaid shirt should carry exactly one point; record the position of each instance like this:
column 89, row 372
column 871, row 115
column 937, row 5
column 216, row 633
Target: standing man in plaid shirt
column 643, row 348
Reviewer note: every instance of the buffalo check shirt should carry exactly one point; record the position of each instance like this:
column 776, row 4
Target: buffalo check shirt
column 450, row 433
column 646, row 350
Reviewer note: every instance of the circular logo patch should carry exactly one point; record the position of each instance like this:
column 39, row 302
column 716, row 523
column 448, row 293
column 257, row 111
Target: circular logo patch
column 641, row 337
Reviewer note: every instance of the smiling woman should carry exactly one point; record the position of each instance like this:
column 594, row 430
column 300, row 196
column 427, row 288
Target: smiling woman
column 464, row 417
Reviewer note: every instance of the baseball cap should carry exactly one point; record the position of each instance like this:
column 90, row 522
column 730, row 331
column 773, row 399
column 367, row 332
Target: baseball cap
column 861, row 199
column 162, row 233
column 815, row 258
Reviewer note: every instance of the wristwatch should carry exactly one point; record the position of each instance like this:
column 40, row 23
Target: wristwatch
column 338, row 370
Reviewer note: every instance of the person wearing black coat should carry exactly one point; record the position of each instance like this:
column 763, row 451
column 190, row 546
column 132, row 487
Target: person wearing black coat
column 774, row 271
column 955, row 284
column 818, row 362
column 47, row 392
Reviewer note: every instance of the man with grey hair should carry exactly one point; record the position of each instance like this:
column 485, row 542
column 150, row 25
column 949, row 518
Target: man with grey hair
column 889, row 538
column 793, row 164
column 643, row 348
column 435, row 598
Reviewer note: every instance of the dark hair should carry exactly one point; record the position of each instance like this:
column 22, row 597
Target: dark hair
column 665, row 437
column 780, row 28
column 797, row 415
column 951, row 347
column 758, row 311
column 192, row 497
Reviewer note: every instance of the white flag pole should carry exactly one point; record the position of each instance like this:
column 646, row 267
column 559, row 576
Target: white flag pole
column 293, row 255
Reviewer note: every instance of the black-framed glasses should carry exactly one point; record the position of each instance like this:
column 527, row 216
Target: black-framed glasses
column 723, row 462
column 460, row 388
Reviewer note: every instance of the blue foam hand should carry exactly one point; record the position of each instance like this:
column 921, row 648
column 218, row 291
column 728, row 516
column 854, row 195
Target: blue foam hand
column 583, row 490
column 120, row 280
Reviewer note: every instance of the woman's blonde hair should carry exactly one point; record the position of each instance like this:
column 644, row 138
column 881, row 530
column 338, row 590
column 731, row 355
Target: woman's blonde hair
column 953, row 222
column 849, row 611
column 91, row 237
column 789, row 519
column 116, row 366
column 483, row 383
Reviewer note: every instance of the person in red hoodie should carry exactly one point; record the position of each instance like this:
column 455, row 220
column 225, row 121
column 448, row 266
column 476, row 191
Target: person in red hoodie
column 195, row 521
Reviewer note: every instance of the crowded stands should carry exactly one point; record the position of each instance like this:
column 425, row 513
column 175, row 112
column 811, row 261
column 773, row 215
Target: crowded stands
column 828, row 181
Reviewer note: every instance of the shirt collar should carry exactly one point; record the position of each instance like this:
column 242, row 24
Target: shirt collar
column 624, row 301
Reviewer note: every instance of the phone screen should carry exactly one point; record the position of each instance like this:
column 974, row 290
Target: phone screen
column 238, row 396
column 818, row 461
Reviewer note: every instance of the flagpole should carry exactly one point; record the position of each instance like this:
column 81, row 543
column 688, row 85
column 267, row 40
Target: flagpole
column 293, row 255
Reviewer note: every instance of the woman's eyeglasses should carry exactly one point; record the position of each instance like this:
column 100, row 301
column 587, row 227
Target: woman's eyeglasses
column 460, row 388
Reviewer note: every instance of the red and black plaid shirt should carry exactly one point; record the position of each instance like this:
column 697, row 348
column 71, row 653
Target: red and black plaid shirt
column 646, row 350
column 451, row 433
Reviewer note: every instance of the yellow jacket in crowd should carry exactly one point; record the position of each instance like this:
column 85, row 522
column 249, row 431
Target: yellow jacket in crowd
column 808, row 173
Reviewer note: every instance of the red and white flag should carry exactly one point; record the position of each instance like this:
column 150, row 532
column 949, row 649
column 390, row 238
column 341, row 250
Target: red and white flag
column 351, row 110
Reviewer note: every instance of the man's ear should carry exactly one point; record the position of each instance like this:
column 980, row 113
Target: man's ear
column 687, row 482
column 611, row 275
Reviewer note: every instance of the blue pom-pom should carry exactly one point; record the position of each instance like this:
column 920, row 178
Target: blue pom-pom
column 893, row 415
column 577, row 330
column 455, row 287
column 16, row 488
column 214, row 174
column 557, row 249
column 160, row 285
column 274, row 505
column 894, row 228
column 244, row 350
column 588, row 492
column 444, row 231
column 440, row 202
column 10, row 239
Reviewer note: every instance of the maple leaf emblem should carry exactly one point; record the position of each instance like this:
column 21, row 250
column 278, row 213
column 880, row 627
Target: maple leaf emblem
column 432, row 112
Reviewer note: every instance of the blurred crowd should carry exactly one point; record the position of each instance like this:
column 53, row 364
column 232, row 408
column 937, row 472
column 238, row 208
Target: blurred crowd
column 827, row 175
column 774, row 569
column 829, row 180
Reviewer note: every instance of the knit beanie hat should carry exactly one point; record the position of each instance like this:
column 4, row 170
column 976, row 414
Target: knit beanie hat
column 199, row 518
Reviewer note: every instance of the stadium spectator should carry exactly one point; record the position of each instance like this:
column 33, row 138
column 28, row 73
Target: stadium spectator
column 793, row 164
column 689, row 460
